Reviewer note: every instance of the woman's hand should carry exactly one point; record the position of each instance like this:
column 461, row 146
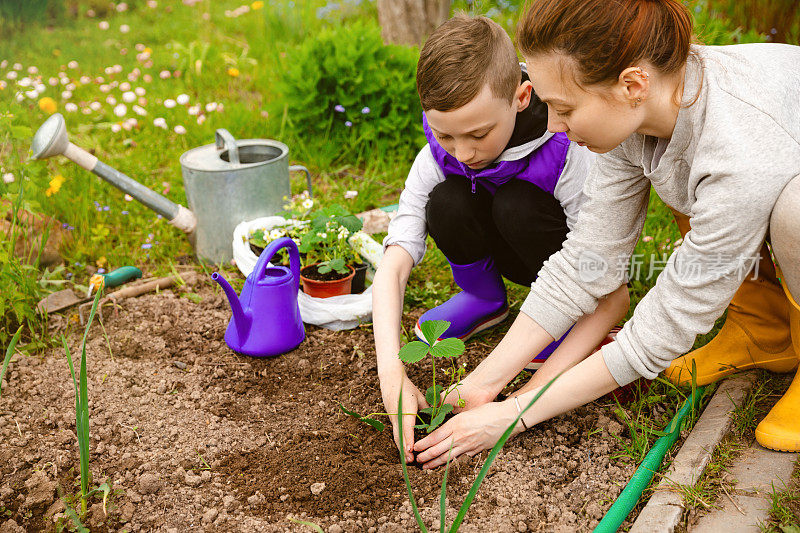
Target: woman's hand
column 469, row 432
column 473, row 394
column 413, row 401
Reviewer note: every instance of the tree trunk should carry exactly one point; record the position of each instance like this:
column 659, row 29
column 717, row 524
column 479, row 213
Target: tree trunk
column 410, row 21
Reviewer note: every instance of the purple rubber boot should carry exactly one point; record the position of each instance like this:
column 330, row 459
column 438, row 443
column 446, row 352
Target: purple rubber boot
column 480, row 305
column 539, row 359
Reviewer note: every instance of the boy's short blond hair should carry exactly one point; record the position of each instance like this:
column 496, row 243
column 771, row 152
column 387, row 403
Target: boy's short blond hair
column 460, row 57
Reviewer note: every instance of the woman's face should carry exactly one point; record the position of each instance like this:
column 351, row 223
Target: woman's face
column 599, row 118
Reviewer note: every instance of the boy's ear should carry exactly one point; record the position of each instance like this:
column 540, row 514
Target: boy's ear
column 522, row 97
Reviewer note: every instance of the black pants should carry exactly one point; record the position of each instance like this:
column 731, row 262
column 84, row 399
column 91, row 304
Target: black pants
column 520, row 226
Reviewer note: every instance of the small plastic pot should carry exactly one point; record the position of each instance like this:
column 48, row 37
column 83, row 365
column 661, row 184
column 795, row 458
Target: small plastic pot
column 360, row 279
column 326, row 288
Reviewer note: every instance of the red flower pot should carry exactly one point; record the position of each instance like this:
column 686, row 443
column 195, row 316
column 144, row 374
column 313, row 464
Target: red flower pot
column 325, row 288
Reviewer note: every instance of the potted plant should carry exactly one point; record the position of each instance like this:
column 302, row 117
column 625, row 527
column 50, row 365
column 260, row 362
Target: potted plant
column 329, row 259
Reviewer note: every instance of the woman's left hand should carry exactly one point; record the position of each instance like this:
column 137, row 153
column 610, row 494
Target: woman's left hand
column 469, row 432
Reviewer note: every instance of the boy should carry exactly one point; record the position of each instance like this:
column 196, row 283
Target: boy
column 496, row 191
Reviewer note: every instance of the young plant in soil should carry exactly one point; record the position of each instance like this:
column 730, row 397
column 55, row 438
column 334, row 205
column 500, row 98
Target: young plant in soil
column 82, row 415
column 431, row 417
column 9, row 353
column 413, row 352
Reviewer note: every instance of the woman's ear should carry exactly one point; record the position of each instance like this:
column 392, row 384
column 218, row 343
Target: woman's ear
column 522, row 97
column 634, row 85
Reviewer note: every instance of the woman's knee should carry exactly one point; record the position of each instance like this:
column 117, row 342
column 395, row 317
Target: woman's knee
column 784, row 230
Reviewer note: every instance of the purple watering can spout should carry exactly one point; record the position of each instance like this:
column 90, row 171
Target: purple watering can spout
column 240, row 317
column 266, row 316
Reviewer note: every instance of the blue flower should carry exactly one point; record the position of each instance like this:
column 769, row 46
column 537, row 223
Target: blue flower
column 106, row 208
column 365, row 110
column 339, row 108
column 101, row 270
column 773, row 31
column 124, row 212
column 348, row 123
column 146, row 246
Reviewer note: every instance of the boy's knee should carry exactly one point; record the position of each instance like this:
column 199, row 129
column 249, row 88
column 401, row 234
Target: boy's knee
column 450, row 200
column 784, row 224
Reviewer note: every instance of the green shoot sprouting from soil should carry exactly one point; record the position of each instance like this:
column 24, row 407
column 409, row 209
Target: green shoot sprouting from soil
column 9, row 352
column 473, row 491
column 82, row 413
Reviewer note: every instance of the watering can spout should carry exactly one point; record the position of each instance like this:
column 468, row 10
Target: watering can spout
column 240, row 318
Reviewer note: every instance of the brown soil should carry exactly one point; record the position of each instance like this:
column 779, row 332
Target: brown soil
column 192, row 436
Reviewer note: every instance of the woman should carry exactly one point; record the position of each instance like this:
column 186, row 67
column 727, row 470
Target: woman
column 716, row 132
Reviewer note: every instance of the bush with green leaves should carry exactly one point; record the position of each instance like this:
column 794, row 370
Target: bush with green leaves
column 348, row 86
column 325, row 242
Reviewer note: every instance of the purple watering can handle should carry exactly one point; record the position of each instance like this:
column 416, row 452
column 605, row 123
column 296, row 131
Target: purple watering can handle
column 272, row 248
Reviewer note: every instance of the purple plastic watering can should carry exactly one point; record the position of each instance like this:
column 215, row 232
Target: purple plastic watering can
column 266, row 317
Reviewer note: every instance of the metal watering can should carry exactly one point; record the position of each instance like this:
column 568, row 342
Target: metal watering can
column 266, row 317
column 226, row 183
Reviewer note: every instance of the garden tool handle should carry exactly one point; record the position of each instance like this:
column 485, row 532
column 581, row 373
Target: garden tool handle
column 296, row 168
column 223, row 138
column 271, row 249
column 122, row 275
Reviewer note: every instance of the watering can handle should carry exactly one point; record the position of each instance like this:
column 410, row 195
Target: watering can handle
column 272, row 248
column 295, row 168
column 223, row 138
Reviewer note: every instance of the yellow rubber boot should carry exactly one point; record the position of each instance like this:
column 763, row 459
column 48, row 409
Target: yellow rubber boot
column 780, row 429
column 755, row 333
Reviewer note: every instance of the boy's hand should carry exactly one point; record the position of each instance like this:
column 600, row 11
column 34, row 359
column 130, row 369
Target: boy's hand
column 413, row 401
column 471, row 394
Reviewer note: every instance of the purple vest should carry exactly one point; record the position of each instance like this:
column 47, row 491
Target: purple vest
column 541, row 167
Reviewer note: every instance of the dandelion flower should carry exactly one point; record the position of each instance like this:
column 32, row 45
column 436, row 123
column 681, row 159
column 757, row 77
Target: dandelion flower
column 169, row 103
column 128, row 97
column 103, row 25
column 180, row 130
column 55, row 185
column 233, row 72
column 48, row 105
column 8, row 177
column 258, row 4
column 182, row 99
column 124, row 28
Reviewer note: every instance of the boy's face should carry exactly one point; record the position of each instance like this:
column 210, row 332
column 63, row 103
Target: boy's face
column 477, row 132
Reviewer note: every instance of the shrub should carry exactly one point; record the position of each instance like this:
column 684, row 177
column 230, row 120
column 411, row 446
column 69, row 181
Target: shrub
column 346, row 85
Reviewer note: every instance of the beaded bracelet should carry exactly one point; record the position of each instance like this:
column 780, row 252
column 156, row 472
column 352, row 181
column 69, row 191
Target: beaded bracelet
column 519, row 410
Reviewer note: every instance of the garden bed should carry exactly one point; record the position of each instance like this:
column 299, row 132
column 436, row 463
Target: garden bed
column 191, row 435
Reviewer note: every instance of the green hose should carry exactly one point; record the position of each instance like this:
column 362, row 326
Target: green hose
column 644, row 474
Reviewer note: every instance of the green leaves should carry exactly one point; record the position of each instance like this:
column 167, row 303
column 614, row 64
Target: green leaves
column 9, row 353
column 433, row 329
column 413, row 351
column 448, row 348
column 369, row 421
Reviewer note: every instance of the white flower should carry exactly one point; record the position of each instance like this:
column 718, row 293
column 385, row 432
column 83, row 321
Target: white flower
column 110, row 100
column 349, row 195
column 147, row 78
column 201, row 119
column 139, row 110
column 152, row 4
column 164, row 74
column 103, row 25
column 11, row 75
column 72, row 64
column 64, row 80
column 128, row 198
column 122, row 6
column 24, row 82
column 169, row 103
column 86, row 110
column 20, row 97
column 52, row 82
column 128, row 97
column 160, row 123
column 139, row 47
column 70, row 87
column 69, row 106
column 322, row 235
column 85, row 80
column 116, row 128
column 120, row 110
column 139, row 91
column 193, row 110
column 211, row 106
column 308, row 203
column 33, row 70
column 133, row 77
column 17, row 66
column 33, row 95
column 180, row 130
column 277, row 233
column 182, row 99
column 4, row 63
column 8, row 177
column 124, row 28
column 142, row 101
column 3, row 85
column 66, row 95
column 131, row 122
column 124, row 86
column 117, row 68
